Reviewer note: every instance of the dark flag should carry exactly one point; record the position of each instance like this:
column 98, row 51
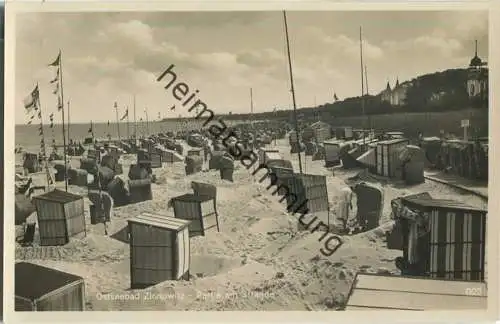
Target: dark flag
column 124, row 115
column 56, row 77
column 172, row 108
column 30, row 102
column 335, row 97
column 56, row 61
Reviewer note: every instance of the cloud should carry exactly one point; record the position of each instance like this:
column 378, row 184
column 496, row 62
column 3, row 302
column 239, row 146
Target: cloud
column 434, row 44
column 348, row 47
column 111, row 55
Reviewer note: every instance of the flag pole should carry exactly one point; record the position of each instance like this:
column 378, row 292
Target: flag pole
column 362, row 86
column 69, row 138
column 128, row 126
column 44, row 153
column 135, row 123
column 117, row 122
column 63, row 128
column 296, row 123
column 147, row 122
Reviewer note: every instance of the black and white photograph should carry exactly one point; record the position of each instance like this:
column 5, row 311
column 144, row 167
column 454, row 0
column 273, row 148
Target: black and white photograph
column 276, row 160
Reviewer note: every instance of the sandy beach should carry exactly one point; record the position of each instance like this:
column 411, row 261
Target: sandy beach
column 258, row 260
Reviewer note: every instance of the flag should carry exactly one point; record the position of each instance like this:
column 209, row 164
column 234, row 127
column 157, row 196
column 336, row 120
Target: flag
column 125, row 115
column 56, row 90
column 56, row 77
column 57, row 60
column 30, row 102
column 172, row 108
column 335, row 97
column 90, row 129
column 59, row 104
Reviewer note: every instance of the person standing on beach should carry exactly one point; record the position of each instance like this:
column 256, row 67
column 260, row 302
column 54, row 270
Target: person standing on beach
column 345, row 204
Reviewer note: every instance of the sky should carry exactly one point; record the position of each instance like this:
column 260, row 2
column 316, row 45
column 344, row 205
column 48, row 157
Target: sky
column 109, row 57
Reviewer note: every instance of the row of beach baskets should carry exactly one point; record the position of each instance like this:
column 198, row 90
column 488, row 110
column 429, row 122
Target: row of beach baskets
column 159, row 246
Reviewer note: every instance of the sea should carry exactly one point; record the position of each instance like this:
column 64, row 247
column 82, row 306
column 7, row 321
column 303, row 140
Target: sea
column 28, row 137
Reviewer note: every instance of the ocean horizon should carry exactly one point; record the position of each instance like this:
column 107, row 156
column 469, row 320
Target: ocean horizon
column 27, row 136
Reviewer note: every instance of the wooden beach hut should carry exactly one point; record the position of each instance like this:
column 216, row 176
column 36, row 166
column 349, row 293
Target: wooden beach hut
column 60, row 216
column 390, row 292
column 387, row 157
column 38, row 288
column 159, row 249
column 443, row 239
column 199, row 209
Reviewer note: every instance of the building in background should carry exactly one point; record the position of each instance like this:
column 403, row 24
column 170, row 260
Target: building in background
column 397, row 95
column 477, row 79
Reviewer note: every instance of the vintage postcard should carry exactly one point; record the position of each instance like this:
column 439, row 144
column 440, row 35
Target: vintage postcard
column 326, row 159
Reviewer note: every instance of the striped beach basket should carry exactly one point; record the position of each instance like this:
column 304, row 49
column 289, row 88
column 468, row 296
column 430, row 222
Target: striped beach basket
column 454, row 242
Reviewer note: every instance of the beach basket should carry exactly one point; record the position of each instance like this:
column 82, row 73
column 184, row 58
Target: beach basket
column 227, row 174
column 311, row 148
column 200, row 210
column 297, row 148
column 214, row 162
column 136, row 172
column 449, row 242
column 369, row 198
column 320, row 153
column 61, row 169
column 101, row 208
column 23, row 208
column 118, row 191
column 194, row 164
column 89, row 165
column 105, row 177
column 140, row 190
column 77, row 177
